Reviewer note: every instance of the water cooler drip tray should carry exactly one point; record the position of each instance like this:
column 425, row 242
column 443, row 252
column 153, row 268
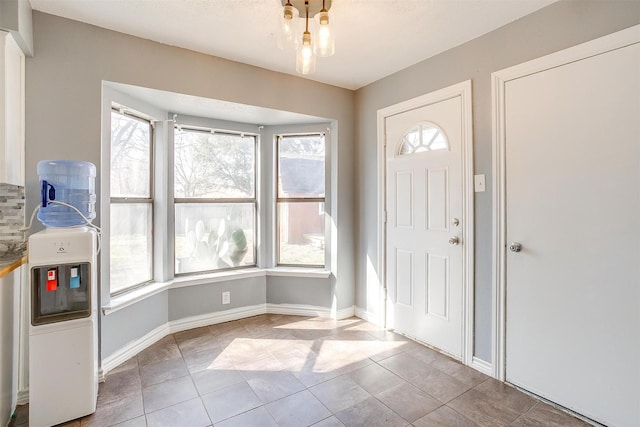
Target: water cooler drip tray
column 60, row 292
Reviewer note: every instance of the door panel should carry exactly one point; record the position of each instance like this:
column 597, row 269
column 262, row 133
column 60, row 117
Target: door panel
column 573, row 202
column 424, row 189
column 404, row 279
column 404, row 199
column 437, row 285
column 437, row 191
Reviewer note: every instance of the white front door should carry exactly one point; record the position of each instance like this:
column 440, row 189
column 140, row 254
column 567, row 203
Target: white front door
column 424, row 230
column 572, row 149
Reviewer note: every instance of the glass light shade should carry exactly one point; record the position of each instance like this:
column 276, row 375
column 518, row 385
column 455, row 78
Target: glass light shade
column 325, row 44
column 305, row 59
column 288, row 28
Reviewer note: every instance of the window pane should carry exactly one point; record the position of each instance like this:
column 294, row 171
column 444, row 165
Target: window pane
column 301, row 233
column 130, row 156
column 301, row 166
column 214, row 165
column 130, row 244
column 211, row 236
column 422, row 138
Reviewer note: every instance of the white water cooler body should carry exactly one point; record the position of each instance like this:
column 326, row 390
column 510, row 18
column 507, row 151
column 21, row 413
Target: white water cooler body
column 63, row 333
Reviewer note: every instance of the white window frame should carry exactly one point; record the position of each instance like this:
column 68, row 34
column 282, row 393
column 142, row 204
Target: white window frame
column 133, row 114
column 278, row 200
column 222, row 201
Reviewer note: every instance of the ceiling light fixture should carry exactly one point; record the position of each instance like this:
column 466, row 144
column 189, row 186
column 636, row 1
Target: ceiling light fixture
column 319, row 41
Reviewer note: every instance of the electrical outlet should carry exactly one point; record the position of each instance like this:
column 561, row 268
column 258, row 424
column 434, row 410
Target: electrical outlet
column 226, row 297
column 479, row 184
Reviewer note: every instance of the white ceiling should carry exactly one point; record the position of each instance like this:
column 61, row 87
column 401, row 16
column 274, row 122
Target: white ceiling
column 374, row 38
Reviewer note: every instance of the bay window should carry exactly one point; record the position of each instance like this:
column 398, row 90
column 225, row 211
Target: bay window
column 185, row 198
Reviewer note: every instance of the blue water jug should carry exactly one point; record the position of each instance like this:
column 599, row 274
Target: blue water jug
column 69, row 181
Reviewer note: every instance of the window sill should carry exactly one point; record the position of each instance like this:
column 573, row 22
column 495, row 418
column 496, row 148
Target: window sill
column 317, row 273
column 129, row 298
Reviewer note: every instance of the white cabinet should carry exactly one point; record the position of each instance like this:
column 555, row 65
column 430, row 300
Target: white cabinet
column 12, row 158
column 11, row 111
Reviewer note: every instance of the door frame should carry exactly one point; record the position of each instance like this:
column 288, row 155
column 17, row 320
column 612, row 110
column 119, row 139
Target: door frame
column 499, row 79
column 462, row 90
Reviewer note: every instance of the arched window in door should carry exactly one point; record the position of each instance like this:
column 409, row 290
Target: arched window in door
column 423, row 137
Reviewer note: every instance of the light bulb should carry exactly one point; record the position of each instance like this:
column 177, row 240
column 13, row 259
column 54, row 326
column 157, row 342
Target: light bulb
column 305, row 59
column 325, row 45
column 287, row 27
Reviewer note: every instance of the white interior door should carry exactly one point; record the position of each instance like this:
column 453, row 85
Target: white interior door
column 424, row 193
column 572, row 148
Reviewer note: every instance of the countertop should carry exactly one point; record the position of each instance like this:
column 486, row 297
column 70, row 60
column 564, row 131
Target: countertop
column 9, row 264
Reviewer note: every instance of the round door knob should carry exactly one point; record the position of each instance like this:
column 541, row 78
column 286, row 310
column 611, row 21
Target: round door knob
column 455, row 240
column 515, row 247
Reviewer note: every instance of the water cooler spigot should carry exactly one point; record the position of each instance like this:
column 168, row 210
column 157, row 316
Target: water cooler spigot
column 47, row 193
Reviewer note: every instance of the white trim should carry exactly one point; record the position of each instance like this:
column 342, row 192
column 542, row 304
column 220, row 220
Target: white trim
column 482, row 366
column 299, row 272
column 215, row 318
column 468, row 236
column 223, row 276
column 136, row 346
column 136, row 295
column 310, row 310
column 23, row 397
column 499, row 228
column 370, row 317
column 499, row 80
column 463, row 90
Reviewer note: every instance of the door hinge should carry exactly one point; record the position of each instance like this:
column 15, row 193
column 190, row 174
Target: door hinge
column 384, row 217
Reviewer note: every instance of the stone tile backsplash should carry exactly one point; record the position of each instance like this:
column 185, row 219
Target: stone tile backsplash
column 12, row 241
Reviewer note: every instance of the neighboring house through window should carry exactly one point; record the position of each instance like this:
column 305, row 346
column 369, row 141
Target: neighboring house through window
column 300, row 200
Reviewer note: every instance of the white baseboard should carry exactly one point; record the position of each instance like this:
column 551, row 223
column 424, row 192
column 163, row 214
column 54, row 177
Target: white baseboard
column 215, row 318
column 482, row 366
column 370, row 317
column 309, row 310
column 133, row 348
column 345, row 313
column 23, row 397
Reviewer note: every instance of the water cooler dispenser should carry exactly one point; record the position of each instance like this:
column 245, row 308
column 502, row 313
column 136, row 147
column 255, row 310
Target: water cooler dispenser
column 63, row 333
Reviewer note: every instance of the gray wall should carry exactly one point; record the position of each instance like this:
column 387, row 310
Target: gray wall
column 553, row 28
column 205, row 299
column 63, row 120
column 131, row 323
column 304, row 291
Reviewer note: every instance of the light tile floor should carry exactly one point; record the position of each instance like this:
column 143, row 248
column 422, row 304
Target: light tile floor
column 275, row 370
